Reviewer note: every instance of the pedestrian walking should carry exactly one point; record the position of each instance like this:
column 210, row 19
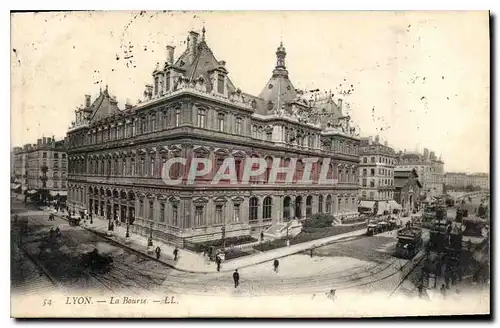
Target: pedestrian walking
column 311, row 251
column 331, row 295
column 58, row 232
column 158, row 252
column 261, row 236
column 443, row 291
column 236, row 278
column 217, row 262
column 276, row 265
column 176, row 252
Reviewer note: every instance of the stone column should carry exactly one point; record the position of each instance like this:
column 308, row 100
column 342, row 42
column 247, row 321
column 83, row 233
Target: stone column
column 260, row 209
column 244, row 210
column 315, row 202
column 277, row 212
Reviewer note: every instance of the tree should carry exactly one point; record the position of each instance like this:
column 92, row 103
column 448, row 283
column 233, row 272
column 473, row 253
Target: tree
column 469, row 188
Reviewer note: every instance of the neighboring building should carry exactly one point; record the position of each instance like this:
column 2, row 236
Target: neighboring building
column 408, row 189
column 460, row 181
column 42, row 166
column 376, row 170
column 192, row 110
column 429, row 168
column 376, row 176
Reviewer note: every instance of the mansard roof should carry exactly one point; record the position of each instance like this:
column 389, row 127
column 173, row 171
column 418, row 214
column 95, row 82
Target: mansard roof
column 105, row 105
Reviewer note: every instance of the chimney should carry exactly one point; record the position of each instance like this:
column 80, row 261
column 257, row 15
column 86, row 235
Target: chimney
column 377, row 139
column 339, row 101
column 426, row 153
column 222, row 63
column 370, row 140
column 87, row 101
column 386, row 144
column 170, row 54
column 193, row 37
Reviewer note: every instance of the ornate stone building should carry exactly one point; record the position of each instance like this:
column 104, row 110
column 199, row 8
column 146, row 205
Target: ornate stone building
column 376, row 175
column 42, row 166
column 193, row 109
column 429, row 168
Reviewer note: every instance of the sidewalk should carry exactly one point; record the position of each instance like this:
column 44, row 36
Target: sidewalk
column 195, row 263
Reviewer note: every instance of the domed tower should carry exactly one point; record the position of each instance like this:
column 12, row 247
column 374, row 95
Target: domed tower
column 279, row 90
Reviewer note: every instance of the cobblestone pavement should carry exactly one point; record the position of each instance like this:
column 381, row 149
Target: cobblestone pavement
column 361, row 264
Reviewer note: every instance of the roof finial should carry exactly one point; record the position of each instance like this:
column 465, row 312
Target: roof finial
column 203, row 33
column 100, row 90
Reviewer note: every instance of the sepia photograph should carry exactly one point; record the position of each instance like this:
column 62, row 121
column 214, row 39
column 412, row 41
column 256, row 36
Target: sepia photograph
column 249, row 164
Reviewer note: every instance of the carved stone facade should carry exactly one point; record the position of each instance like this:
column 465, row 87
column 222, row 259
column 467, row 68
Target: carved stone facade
column 116, row 161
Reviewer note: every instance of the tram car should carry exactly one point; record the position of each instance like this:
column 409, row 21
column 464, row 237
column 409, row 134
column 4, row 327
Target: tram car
column 409, row 242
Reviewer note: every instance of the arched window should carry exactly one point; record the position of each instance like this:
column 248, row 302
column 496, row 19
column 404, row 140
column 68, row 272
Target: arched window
column 253, row 208
column 269, row 165
column 320, row 204
column 286, row 208
column 267, row 209
column 328, row 204
column 308, row 206
column 299, row 171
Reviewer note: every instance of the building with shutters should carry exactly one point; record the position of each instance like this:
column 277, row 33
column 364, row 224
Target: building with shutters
column 42, row 166
column 193, row 109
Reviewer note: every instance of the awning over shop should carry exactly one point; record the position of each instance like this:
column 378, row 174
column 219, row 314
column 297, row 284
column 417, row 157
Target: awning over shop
column 366, row 204
column 24, row 188
column 62, row 193
column 382, row 206
column 32, row 192
column 394, row 205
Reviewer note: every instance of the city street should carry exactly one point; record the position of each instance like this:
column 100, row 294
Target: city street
column 363, row 264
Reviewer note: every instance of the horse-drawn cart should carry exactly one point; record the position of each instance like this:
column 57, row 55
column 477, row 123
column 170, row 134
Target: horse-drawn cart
column 74, row 220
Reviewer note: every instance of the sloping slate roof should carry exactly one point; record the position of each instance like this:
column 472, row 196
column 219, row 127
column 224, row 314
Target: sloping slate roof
column 103, row 107
column 279, row 90
column 203, row 62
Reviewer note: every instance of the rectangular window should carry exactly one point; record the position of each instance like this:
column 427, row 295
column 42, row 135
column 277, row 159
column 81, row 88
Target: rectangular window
column 236, row 213
column 153, row 123
column 372, row 183
column 162, row 212
column 372, row 195
column 177, row 117
column 220, row 122
column 219, row 214
column 141, row 208
column 238, row 125
column 56, row 155
column 365, row 160
column 372, row 159
column 372, row 172
column 175, row 219
column 151, row 210
column 220, row 83
column 44, row 155
column 156, row 85
column 364, row 172
column 167, row 81
column 364, row 182
column 198, row 216
column 269, row 136
column 201, row 118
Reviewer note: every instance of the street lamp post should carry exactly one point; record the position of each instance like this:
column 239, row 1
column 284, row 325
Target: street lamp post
column 127, row 233
column 223, row 237
column 150, row 239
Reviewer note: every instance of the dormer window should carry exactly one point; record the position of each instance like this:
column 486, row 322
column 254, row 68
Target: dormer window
column 167, row 81
column 220, row 83
column 156, row 85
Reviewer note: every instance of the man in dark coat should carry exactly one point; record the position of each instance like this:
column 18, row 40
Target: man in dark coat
column 236, row 278
column 176, row 252
column 158, row 252
column 276, row 264
column 217, row 261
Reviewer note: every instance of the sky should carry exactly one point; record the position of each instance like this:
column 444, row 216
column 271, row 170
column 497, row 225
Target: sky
column 420, row 79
